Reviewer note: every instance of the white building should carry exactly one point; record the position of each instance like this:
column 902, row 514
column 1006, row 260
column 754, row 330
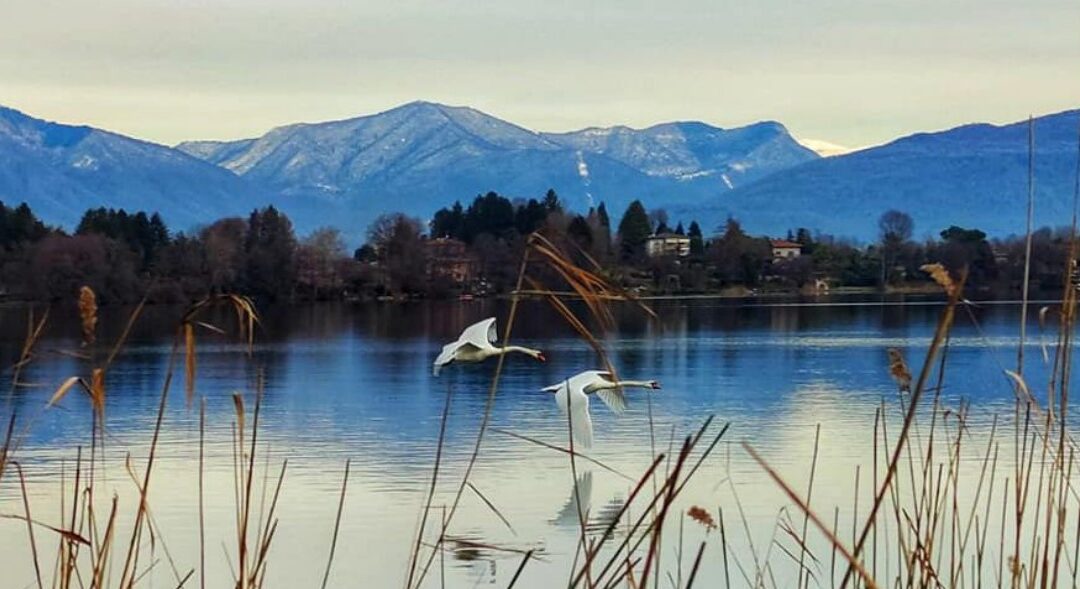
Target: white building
column 667, row 245
column 785, row 250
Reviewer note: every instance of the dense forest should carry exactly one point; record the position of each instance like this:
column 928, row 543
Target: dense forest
column 475, row 250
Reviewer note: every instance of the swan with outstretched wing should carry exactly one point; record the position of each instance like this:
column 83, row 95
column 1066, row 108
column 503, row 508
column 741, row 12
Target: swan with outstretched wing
column 476, row 344
column 572, row 397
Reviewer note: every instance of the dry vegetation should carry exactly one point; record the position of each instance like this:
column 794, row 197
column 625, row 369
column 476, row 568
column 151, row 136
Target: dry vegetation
column 1016, row 523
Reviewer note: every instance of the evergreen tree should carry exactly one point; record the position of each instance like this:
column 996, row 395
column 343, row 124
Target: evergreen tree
column 737, row 257
column 601, row 232
column 491, row 214
column 732, row 229
column 144, row 235
column 551, row 201
column 580, row 232
column 159, row 232
column 602, row 215
column 365, row 253
column 270, row 248
column 19, row 226
column 803, row 237
column 530, row 216
column 634, row 230
column 679, row 229
column 449, row 222
column 697, row 241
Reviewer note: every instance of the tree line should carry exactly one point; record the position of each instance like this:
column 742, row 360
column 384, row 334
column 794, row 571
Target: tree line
column 125, row 255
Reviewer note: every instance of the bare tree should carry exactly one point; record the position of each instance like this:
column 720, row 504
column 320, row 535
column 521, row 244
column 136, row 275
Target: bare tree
column 895, row 226
column 398, row 241
column 318, row 258
column 224, row 243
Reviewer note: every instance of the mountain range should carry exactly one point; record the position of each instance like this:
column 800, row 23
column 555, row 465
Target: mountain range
column 974, row 176
column 421, row 156
column 61, row 170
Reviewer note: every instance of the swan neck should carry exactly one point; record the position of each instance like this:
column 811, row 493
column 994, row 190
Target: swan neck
column 640, row 384
column 520, row 349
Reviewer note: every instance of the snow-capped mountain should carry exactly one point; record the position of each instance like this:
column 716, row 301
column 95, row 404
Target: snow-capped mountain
column 62, row 170
column 974, row 176
column 414, row 158
column 694, row 150
column 421, row 156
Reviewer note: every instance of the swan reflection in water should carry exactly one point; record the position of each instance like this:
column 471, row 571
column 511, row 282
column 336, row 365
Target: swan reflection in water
column 578, row 508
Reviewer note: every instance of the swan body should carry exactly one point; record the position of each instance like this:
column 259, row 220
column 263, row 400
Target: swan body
column 572, row 397
column 476, row 344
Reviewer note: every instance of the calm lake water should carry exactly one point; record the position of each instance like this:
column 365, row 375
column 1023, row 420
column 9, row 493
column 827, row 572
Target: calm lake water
column 353, row 382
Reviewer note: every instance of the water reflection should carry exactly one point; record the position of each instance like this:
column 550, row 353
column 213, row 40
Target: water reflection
column 353, row 382
column 576, row 509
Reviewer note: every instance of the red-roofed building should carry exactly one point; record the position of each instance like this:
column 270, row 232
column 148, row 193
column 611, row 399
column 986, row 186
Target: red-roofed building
column 450, row 259
column 783, row 249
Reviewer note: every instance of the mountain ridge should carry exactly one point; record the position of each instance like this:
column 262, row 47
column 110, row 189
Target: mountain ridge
column 972, row 175
column 420, row 156
column 395, row 152
column 61, row 170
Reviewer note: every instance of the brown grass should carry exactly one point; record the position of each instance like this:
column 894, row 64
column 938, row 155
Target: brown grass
column 88, row 310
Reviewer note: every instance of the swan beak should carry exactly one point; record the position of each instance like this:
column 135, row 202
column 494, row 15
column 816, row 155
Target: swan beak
column 655, row 385
column 540, row 357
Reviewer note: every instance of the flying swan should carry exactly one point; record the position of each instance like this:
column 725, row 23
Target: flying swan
column 476, row 344
column 572, row 396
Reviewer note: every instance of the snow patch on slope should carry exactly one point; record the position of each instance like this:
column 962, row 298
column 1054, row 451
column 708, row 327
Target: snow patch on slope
column 826, row 148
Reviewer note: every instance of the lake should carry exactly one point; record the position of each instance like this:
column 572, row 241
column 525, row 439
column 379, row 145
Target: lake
column 353, row 382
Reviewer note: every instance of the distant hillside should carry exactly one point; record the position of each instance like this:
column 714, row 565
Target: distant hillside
column 421, row 156
column 61, row 170
column 974, row 175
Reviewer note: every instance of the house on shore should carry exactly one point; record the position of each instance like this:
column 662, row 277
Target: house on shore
column 449, row 259
column 783, row 249
column 667, row 245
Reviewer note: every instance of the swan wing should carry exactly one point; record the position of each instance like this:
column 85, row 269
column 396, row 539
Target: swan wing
column 595, row 380
column 481, row 334
column 601, row 382
column 614, row 399
column 445, row 357
column 575, row 404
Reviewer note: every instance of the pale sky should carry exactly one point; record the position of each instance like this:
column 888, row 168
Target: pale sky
column 851, row 72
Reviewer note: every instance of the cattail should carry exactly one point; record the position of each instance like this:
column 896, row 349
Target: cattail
column 940, row 276
column 898, row 368
column 189, row 362
column 702, row 516
column 88, row 314
column 97, row 391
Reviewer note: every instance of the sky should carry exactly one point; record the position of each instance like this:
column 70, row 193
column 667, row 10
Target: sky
column 849, row 72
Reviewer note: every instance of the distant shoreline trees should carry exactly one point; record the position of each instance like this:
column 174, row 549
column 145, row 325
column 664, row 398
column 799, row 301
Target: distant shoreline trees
column 475, row 249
